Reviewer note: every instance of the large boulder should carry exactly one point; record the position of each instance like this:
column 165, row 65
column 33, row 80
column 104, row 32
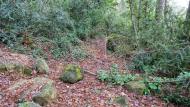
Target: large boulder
column 41, row 90
column 71, row 74
column 28, row 104
column 15, row 67
column 42, row 66
column 15, row 58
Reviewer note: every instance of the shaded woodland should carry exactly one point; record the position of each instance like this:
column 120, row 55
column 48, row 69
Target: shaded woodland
column 94, row 53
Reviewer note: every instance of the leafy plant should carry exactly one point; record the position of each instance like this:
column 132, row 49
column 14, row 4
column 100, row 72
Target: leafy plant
column 114, row 76
column 171, row 89
column 78, row 54
column 152, row 87
column 61, row 22
column 177, row 99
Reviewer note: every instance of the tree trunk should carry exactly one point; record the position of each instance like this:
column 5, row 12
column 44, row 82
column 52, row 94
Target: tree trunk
column 166, row 8
column 187, row 23
column 160, row 10
column 133, row 20
column 139, row 13
column 188, row 13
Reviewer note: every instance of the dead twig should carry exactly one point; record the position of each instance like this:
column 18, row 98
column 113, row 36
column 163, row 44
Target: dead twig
column 90, row 73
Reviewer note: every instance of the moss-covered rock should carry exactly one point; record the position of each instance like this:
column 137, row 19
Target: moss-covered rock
column 3, row 68
column 41, row 66
column 47, row 93
column 72, row 74
column 136, row 86
column 28, row 104
column 16, row 67
column 42, row 90
column 122, row 101
column 23, row 69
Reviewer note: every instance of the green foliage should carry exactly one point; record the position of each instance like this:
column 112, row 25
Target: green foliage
column 157, row 85
column 158, row 48
column 63, row 45
column 59, row 22
column 89, row 16
column 28, row 104
column 114, row 76
column 38, row 52
column 117, row 44
column 170, row 61
column 79, row 54
column 177, row 99
column 152, row 87
column 36, row 18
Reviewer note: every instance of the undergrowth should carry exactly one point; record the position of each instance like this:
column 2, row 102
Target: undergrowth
column 61, row 23
column 114, row 76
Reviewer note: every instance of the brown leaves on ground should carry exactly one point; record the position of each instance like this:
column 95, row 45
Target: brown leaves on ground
column 87, row 93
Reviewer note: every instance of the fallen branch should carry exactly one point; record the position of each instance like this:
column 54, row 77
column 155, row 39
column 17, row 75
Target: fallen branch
column 90, row 73
column 172, row 81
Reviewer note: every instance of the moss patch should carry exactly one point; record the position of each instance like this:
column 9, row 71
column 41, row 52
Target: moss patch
column 41, row 66
column 28, row 104
column 136, row 86
column 121, row 101
column 16, row 67
column 72, row 74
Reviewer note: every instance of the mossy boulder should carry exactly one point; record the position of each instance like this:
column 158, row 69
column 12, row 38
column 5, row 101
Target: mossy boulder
column 41, row 90
column 16, row 67
column 72, row 74
column 136, row 86
column 122, row 101
column 28, row 104
column 47, row 93
column 3, row 68
column 23, row 69
column 42, row 66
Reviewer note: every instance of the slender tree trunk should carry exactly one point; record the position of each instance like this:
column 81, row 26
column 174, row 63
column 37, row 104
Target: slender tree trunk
column 166, row 13
column 139, row 13
column 188, row 13
column 187, row 23
column 145, row 11
column 160, row 10
column 133, row 20
column 166, row 8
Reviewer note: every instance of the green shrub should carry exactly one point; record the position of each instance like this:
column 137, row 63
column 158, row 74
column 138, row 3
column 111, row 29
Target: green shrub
column 60, row 22
column 36, row 18
column 120, row 45
column 168, row 62
column 177, row 99
column 175, row 90
column 89, row 16
column 78, row 54
column 114, row 76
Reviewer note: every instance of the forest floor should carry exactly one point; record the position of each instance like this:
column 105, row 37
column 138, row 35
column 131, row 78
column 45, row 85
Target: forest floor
column 89, row 92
